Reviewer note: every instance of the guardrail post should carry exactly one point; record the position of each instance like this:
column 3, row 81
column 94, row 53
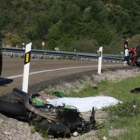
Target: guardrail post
column 41, row 57
column 51, row 57
column 74, row 58
column 11, row 54
column 22, row 55
column 100, row 52
column 67, row 57
column 33, row 56
column 26, row 67
column 58, row 57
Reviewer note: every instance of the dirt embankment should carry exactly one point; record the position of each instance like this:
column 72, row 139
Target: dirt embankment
column 12, row 129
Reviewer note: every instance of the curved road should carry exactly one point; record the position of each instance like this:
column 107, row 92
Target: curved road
column 41, row 70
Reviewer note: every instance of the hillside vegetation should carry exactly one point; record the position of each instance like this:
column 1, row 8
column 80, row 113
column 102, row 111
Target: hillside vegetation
column 83, row 25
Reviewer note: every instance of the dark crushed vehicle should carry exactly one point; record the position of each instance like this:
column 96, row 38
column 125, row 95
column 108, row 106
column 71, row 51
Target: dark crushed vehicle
column 63, row 121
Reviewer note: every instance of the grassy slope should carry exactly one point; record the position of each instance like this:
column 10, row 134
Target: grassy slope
column 124, row 116
column 128, row 116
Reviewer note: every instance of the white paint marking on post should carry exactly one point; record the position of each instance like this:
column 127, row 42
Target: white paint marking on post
column 26, row 67
column 100, row 59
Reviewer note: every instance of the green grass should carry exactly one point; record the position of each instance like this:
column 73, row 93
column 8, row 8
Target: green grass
column 123, row 116
column 126, row 115
column 89, row 90
column 122, row 89
column 34, row 127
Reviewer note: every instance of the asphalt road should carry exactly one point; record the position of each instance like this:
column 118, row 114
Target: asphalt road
column 41, row 70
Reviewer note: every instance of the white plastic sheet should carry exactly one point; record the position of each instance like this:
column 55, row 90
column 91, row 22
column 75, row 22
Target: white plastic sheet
column 85, row 104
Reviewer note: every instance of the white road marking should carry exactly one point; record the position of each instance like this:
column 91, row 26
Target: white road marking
column 59, row 69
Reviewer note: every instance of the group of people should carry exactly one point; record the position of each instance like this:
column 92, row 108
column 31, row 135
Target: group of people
column 136, row 53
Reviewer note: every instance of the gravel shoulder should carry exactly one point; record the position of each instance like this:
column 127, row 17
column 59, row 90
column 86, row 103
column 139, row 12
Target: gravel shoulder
column 12, row 129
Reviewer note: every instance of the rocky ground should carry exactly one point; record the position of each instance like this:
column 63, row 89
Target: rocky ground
column 12, row 129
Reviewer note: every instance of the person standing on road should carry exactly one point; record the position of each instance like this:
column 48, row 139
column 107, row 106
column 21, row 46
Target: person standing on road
column 126, row 53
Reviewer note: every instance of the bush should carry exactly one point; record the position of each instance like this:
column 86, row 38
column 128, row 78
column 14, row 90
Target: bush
column 128, row 109
column 86, row 45
column 135, row 40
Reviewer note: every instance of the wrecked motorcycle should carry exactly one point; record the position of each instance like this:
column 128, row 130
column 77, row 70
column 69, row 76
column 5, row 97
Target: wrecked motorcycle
column 134, row 56
column 58, row 121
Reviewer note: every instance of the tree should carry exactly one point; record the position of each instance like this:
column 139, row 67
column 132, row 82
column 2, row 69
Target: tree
column 12, row 39
column 86, row 45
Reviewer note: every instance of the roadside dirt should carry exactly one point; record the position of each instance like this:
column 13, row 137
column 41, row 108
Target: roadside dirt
column 76, row 86
column 12, row 129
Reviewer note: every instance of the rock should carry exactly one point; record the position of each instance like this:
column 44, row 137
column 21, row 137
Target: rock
column 104, row 138
column 1, row 120
column 6, row 133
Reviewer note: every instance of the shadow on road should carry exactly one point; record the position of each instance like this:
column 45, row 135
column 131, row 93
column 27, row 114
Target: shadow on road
column 5, row 81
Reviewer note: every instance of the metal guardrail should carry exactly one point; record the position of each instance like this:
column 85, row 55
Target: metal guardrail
column 111, row 57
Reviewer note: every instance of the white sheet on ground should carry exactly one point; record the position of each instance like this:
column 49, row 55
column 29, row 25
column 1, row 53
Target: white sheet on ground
column 85, row 104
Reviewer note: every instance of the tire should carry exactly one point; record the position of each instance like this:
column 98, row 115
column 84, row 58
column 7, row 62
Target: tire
column 18, row 110
column 130, row 59
column 14, row 95
column 15, row 109
column 54, row 127
column 138, row 61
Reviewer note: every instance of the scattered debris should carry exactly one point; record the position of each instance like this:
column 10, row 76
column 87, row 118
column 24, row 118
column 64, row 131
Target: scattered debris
column 58, row 94
column 136, row 90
